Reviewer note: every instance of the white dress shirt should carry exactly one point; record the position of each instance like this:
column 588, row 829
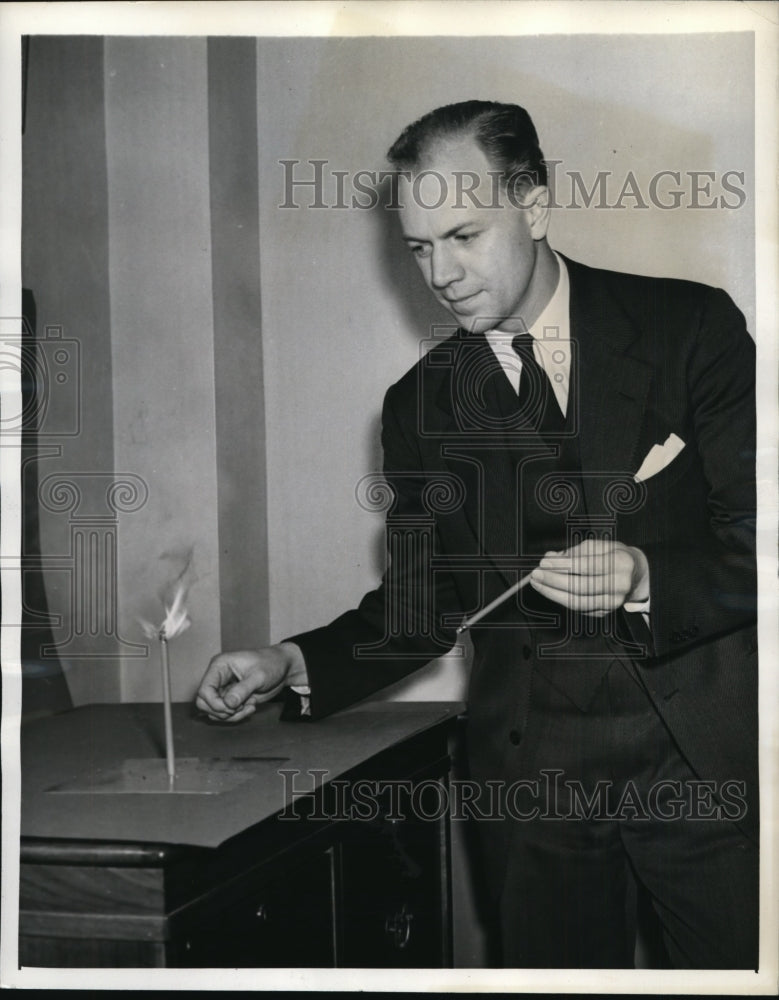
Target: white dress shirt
column 551, row 335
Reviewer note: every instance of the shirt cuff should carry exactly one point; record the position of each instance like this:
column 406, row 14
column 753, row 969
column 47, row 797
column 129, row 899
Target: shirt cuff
column 641, row 605
column 639, row 608
column 297, row 682
column 304, row 693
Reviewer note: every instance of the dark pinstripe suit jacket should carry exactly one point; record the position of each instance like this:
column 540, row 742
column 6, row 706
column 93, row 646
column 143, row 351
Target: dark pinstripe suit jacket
column 652, row 357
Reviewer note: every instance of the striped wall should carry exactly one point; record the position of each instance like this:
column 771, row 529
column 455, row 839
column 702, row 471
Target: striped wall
column 141, row 246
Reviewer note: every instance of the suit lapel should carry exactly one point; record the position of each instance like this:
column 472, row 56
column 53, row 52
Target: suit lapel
column 613, row 384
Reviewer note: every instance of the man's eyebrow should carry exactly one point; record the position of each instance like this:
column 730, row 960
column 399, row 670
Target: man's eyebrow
column 445, row 236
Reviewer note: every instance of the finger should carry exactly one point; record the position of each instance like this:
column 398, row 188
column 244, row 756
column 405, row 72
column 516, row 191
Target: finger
column 217, row 677
column 607, row 585
column 582, row 605
column 257, row 698
column 577, row 560
column 245, row 711
column 209, row 697
column 248, row 709
column 261, row 696
column 236, row 695
column 229, row 713
column 225, row 714
column 606, row 566
column 250, row 689
column 206, row 709
column 557, row 562
column 212, row 712
column 221, row 717
column 585, row 603
column 592, row 545
column 599, row 557
column 597, row 548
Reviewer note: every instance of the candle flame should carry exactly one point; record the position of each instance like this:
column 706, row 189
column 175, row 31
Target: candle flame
column 176, row 619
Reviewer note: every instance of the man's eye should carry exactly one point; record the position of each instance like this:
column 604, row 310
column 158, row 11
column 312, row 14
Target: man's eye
column 465, row 237
column 420, row 250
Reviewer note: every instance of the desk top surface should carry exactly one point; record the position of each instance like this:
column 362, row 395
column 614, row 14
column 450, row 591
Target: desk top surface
column 71, row 763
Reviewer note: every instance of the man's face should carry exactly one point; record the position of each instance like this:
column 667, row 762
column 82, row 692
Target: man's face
column 488, row 266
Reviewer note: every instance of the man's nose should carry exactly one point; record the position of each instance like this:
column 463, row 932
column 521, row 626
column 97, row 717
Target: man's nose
column 444, row 268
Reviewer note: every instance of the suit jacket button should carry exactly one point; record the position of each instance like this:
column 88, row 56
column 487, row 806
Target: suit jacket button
column 527, row 652
column 514, row 738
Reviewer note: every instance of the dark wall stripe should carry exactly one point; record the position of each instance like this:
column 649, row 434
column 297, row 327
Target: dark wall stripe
column 65, row 264
column 240, row 405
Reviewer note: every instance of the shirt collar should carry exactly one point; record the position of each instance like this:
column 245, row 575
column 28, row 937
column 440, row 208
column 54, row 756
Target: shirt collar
column 553, row 323
column 551, row 335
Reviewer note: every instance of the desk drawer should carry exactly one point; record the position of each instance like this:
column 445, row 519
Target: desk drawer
column 392, row 895
column 285, row 920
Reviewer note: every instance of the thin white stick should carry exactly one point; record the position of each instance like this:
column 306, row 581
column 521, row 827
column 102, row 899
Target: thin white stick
column 169, row 752
column 514, row 589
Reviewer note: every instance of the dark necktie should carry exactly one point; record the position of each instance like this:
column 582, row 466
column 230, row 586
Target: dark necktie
column 536, row 400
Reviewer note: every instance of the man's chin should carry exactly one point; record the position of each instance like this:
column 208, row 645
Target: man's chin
column 475, row 324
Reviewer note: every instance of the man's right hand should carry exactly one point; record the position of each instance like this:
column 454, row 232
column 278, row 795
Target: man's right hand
column 235, row 683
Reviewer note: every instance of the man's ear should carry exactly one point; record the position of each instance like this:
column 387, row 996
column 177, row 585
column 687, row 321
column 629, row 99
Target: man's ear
column 536, row 202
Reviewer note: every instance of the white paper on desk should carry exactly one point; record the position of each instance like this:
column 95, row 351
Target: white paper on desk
column 658, row 456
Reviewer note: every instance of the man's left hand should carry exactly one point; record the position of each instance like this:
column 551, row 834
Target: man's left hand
column 595, row 577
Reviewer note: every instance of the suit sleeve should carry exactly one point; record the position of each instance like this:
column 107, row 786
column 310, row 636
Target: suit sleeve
column 396, row 628
column 703, row 578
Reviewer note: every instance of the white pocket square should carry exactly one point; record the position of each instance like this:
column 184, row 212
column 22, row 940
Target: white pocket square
column 658, row 457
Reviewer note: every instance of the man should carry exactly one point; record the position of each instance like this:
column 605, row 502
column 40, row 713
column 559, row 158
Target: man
column 595, row 430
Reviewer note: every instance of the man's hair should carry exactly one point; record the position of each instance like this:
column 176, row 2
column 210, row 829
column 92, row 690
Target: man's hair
column 505, row 133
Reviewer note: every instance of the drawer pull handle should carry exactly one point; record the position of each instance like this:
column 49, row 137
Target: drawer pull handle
column 398, row 927
column 262, row 912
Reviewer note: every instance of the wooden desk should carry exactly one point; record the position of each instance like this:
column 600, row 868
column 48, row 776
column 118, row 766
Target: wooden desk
column 346, row 875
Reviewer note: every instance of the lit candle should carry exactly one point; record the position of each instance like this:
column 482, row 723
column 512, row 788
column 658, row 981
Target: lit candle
column 170, row 754
column 176, row 621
